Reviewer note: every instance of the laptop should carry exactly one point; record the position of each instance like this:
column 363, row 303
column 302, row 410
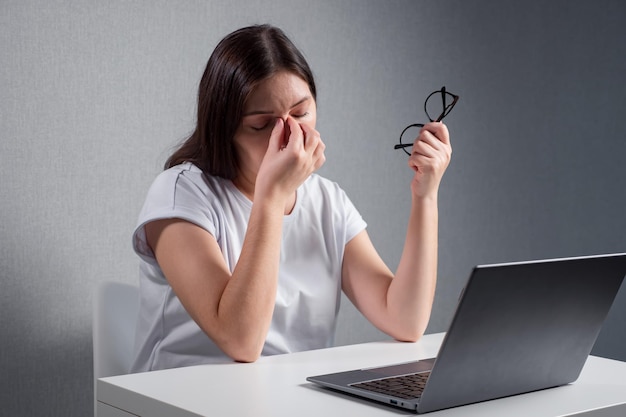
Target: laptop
column 518, row 327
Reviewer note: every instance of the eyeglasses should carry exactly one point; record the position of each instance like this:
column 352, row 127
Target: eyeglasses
column 431, row 106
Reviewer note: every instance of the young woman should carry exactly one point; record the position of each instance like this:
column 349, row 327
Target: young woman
column 244, row 249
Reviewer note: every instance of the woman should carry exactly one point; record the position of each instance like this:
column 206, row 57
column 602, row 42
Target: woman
column 244, row 249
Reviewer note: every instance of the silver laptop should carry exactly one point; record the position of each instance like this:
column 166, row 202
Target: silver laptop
column 518, row 327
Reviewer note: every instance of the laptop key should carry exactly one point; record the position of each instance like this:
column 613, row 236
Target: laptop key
column 405, row 387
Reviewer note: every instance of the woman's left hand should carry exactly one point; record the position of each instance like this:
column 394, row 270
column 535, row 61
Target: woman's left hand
column 430, row 156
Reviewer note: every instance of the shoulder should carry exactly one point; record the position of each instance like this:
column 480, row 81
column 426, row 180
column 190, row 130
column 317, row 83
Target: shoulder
column 182, row 192
column 323, row 193
column 330, row 204
column 171, row 178
column 317, row 183
column 321, row 190
column 184, row 182
column 185, row 192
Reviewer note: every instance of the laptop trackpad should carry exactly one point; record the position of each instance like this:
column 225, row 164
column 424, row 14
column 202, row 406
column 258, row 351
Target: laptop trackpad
column 404, row 368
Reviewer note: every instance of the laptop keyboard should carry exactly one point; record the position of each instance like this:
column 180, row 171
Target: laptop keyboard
column 405, row 386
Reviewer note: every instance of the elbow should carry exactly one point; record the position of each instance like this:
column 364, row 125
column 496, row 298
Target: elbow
column 242, row 352
column 239, row 345
column 414, row 331
column 410, row 337
column 410, row 334
column 244, row 357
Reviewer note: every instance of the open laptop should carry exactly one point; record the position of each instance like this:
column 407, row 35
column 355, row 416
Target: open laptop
column 518, row 327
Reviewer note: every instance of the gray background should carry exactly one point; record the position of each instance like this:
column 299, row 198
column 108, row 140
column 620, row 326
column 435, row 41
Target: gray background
column 95, row 95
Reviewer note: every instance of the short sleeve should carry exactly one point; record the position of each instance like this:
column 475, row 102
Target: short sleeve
column 353, row 220
column 175, row 193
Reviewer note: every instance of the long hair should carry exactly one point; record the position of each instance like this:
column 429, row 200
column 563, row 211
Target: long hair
column 239, row 62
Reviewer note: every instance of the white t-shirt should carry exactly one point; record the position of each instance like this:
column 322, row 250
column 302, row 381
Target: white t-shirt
column 309, row 282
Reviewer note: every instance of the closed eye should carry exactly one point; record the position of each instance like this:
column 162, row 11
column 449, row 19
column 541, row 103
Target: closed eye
column 258, row 129
column 266, row 125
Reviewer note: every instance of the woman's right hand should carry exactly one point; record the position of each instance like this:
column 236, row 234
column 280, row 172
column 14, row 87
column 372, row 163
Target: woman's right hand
column 294, row 152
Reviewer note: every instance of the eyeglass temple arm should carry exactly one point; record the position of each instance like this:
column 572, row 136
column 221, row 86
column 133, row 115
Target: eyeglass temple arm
column 402, row 145
column 441, row 116
column 443, row 99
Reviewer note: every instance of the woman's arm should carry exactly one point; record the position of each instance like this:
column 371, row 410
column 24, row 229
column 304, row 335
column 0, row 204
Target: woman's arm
column 235, row 310
column 400, row 304
column 397, row 305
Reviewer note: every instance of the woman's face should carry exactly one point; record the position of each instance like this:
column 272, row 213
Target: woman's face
column 282, row 95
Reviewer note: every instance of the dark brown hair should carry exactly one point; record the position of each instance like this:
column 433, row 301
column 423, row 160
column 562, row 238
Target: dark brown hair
column 239, row 62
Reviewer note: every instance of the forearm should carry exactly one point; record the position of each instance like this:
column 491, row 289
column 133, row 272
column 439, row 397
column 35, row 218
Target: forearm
column 411, row 293
column 400, row 304
column 247, row 302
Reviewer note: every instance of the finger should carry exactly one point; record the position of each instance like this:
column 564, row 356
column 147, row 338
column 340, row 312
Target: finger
column 311, row 137
column 313, row 146
column 428, row 143
column 424, row 157
column 422, row 148
column 319, row 161
column 423, row 164
column 439, row 130
column 296, row 136
column 318, row 154
column 277, row 135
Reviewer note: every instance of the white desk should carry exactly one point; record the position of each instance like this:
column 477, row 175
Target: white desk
column 276, row 386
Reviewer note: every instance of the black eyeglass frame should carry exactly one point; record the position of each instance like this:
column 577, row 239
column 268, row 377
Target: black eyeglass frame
column 447, row 108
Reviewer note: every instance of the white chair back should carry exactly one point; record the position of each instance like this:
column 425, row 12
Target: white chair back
column 115, row 309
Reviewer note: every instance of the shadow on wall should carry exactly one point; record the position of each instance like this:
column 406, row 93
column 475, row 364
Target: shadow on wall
column 45, row 349
column 38, row 371
column 611, row 342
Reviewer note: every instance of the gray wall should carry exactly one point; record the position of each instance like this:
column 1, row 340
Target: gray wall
column 95, row 94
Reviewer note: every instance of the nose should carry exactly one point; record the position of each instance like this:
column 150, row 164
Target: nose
column 285, row 118
column 287, row 130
